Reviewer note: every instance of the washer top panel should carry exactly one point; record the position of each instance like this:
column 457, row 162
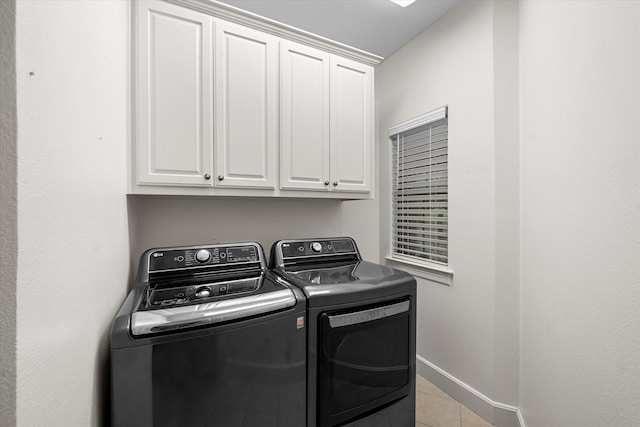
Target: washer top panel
column 191, row 287
column 204, row 256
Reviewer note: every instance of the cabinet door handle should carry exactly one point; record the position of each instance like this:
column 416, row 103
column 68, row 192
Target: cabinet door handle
column 207, row 176
column 335, row 183
column 220, row 178
column 326, row 183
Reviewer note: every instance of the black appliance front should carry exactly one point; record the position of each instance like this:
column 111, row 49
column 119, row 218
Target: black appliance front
column 209, row 341
column 361, row 334
column 363, row 361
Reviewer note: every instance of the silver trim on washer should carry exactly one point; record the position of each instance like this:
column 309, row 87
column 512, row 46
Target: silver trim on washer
column 209, row 266
column 157, row 321
column 377, row 313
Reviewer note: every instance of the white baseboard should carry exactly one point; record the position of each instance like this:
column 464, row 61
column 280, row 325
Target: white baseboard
column 498, row 414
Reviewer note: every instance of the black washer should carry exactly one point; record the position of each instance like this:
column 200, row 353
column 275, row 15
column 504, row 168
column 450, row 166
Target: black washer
column 216, row 344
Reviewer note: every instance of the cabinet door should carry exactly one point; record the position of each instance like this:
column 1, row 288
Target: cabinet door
column 246, row 106
column 173, row 94
column 304, row 136
column 351, row 125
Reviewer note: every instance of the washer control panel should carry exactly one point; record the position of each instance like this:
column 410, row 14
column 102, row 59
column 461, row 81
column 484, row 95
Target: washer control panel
column 203, row 256
column 192, row 257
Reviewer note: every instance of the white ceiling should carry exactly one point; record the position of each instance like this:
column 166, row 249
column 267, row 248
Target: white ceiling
column 375, row 26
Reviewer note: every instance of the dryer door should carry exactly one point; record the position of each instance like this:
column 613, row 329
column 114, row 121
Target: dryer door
column 364, row 362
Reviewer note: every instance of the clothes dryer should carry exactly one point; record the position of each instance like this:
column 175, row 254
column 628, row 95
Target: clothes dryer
column 361, row 345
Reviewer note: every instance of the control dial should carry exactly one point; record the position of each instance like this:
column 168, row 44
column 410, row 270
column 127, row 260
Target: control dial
column 203, row 292
column 316, row 247
column 203, row 255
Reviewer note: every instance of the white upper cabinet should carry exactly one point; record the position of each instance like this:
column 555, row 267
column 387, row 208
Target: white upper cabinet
column 304, row 136
column 173, row 78
column 246, row 100
column 228, row 103
column 351, row 125
column 327, row 121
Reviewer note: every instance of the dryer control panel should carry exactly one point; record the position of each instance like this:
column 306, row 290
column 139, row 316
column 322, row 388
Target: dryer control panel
column 316, row 250
column 317, row 247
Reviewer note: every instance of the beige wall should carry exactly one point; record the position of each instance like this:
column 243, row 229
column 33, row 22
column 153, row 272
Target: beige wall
column 544, row 100
column 8, row 214
column 580, row 142
column 73, row 246
column 467, row 329
column 191, row 221
column 470, row 328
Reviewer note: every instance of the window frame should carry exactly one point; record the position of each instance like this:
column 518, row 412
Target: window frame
column 432, row 270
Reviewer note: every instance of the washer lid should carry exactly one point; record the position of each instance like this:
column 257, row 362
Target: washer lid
column 189, row 316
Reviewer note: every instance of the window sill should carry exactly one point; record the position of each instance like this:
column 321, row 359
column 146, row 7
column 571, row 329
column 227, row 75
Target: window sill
column 431, row 272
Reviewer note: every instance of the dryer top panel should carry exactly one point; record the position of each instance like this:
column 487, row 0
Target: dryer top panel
column 330, row 271
column 313, row 251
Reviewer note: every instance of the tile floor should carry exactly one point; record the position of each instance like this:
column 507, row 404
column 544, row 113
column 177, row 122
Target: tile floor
column 435, row 408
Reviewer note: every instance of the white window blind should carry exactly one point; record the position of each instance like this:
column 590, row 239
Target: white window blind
column 419, row 229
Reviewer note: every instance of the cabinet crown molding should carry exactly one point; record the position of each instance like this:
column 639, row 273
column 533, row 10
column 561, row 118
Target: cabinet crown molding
column 252, row 20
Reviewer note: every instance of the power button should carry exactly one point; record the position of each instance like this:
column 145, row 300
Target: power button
column 203, row 256
column 203, row 292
